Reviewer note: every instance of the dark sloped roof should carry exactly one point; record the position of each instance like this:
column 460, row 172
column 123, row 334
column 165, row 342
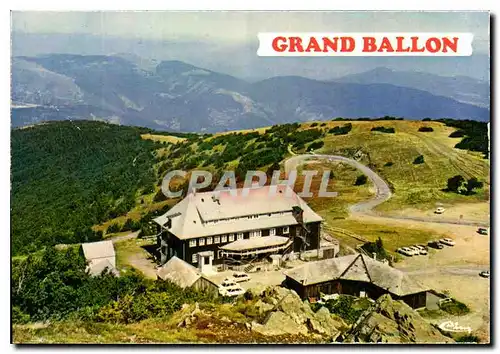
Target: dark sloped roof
column 357, row 268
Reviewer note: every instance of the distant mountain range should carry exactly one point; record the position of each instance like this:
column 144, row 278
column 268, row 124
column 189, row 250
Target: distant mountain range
column 461, row 88
column 174, row 95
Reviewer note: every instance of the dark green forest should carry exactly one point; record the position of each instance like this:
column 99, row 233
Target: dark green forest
column 68, row 176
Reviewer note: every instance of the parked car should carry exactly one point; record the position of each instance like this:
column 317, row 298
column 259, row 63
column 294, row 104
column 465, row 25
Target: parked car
column 447, row 241
column 228, row 283
column 405, row 251
column 482, row 231
column 422, row 249
column 485, row 274
column 414, row 250
column 439, row 210
column 240, row 277
column 435, row 244
column 327, row 297
column 231, row 291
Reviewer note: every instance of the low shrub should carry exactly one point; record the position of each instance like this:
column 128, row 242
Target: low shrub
column 384, row 130
column 113, row 228
column 419, row 160
column 360, row 180
column 468, row 339
column 315, row 146
column 343, row 130
column 349, row 308
column 425, row 129
column 455, row 308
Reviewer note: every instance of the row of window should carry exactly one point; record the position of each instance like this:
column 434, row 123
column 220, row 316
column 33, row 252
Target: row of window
column 231, row 237
column 247, row 217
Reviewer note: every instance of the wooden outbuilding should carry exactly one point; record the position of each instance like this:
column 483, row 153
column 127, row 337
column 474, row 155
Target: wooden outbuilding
column 356, row 275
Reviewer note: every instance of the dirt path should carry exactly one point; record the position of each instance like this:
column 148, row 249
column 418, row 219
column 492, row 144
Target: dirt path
column 129, row 236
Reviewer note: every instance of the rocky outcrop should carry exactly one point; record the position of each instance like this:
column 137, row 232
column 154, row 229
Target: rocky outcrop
column 188, row 314
column 391, row 321
column 287, row 314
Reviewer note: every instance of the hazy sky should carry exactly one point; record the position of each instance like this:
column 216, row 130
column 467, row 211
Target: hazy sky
column 243, row 26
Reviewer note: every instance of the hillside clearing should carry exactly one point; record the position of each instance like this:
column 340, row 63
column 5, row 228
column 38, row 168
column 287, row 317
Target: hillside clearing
column 161, row 138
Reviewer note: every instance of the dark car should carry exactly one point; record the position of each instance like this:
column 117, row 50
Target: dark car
column 485, row 274
column 482, row 231
column 435, row 244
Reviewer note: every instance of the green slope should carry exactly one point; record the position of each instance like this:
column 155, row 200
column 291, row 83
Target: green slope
column 68, row 176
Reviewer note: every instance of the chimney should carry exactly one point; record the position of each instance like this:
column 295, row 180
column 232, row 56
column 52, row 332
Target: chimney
column 374, row 256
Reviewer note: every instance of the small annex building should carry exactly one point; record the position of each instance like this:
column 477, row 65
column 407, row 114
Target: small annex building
column 185, row 276
column 357, row 275
column 100, row 256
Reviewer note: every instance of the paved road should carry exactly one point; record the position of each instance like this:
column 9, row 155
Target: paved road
column 383, row 192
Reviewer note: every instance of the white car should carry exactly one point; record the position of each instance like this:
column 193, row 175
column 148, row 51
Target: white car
column 414, row 249
column 422, row 249
column 228, row 283
column 231, row 291
column 327, row 297
column 240, row 277
column 439, row 210
column 405, row 251
column 447, row 241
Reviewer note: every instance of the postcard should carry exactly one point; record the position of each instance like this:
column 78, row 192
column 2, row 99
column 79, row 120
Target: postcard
column 243, row 177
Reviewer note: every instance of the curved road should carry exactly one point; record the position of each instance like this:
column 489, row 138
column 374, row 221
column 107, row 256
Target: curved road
column 383, row 192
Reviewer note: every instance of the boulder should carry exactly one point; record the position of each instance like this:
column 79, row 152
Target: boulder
column 331, row 323
column 279, row 323
column 293, row 306
column 288, row 314
column 393, row 321
column 188, row 314
column 263, row 307
column 255, row 292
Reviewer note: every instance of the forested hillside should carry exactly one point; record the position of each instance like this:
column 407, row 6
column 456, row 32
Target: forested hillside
column 68, row 176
